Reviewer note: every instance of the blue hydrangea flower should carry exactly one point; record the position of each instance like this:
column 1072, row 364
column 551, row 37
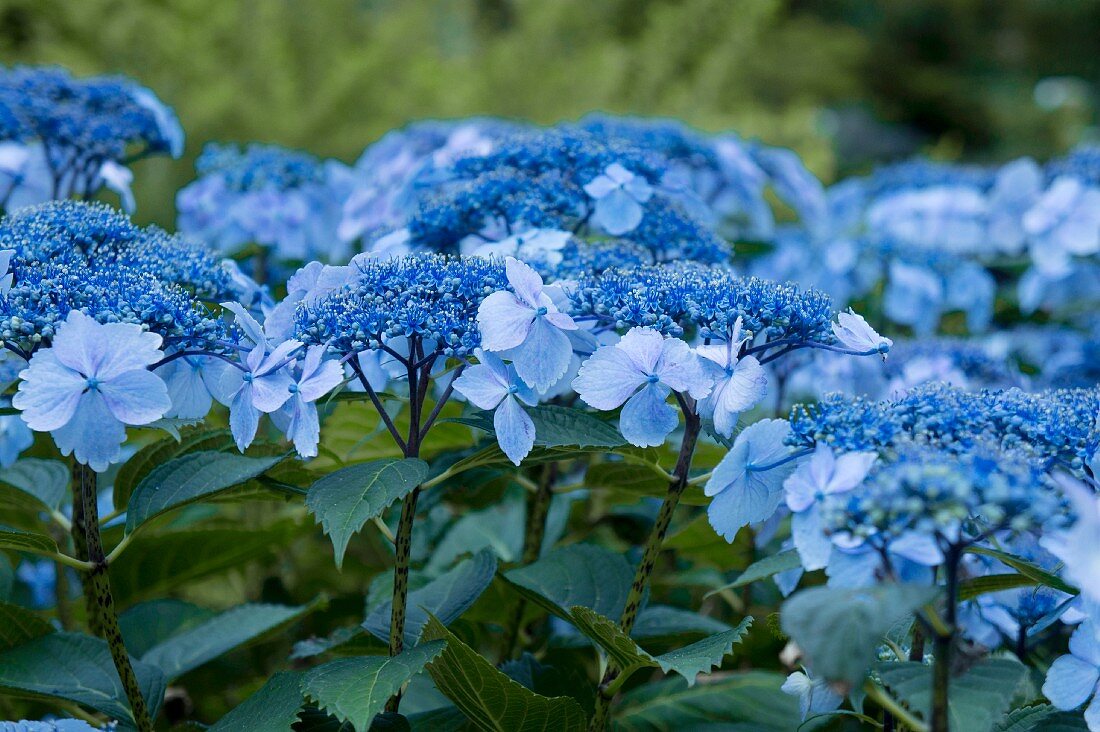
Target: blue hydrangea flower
column 854, row 332
column 263, row 385
column 823, row 474
column 739, row 383
column 1063, row 223
column 528, row 325
column 641, row 370
column 619, row 195
column 190, row 381
column 15, row 437
column 815, row 696
column 1072, row 679
column 747, row 485
column 1077, row 547
column 91, row 383
column 492, row 385
column 298, row 416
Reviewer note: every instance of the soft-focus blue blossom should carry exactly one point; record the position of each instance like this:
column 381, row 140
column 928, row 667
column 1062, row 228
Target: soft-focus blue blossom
column 1078, row 547
column 639, row 372
column 823, row 474
column 492, row 385
column 56, row 725
column 528, row 326
column 40, row 578
column 261, row 386
column 1073, row 678
column 91, row 383
column 619, row 196
column 815, row 696
column 747, row 485
column 15, row 437
column 1063, row 223
column 739, row 383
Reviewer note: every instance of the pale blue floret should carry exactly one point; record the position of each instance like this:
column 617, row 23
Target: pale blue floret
column 91, row 384
column 1072, row 679
column 494, row 386
column 297, row 418
column 261, row 386
column 620, row 196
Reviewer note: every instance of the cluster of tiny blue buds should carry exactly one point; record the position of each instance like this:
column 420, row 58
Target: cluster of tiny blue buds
column 257, row 167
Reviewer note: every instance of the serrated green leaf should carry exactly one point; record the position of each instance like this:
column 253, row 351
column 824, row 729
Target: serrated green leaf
column 19, row 625
column 189, row 478
column 580, row 574
column 1026, row 568
column 77, row 668
column 356, row 689
column 767, row 567
column 749, row 702
column 343, row 501
column 689, row 661
column 977, row 700
column 490, row 699
column 839, row 628
column 206, row 640
column 446, row 598
column 1042, row 718
column 661, row 622
column 145, row 460
column 26, row 541
column 46, row 481
column 274, row 708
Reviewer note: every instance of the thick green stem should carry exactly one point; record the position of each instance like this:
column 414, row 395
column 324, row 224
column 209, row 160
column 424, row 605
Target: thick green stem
column 944, row 646
column 79, row 532
column 104, row 604
column 652, row 550
column 538, row 508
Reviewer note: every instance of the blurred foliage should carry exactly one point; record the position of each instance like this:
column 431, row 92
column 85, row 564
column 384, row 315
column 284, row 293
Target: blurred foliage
column 957, row 76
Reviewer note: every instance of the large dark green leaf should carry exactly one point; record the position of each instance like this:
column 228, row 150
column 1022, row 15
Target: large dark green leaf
column 356, row 689
column 1042, row 718
column 77, row 668
column 19, row 625
column 489, row 698
column 192, row 477
column 689, row 661
column 750, row 702
column 581, row 574
column 767, row 567
column 343, row 501
column 839, row 629
column 26, row 541
column 557, row 426
column 46, row 481
column 206, row 640
column 498, row 528
column 7, row 577
column 978, row 699
column 148, row 458
column 149, row 623
column 446, row 597
column 274, row 708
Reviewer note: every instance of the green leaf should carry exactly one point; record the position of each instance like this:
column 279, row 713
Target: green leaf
column 557, row 426
column 580, row 574
column 145, row 460
column 1042, row 718
column 489, row 698
column 274, row 708
column 977, row 700
column 767, row 567
column 343, row 501
column 1026, row 568
column 19, row 625
column 161, row 562
column 7, row 577
column 661, row 622
column 26, row 541
column 206, row 640
column 749, row 702
column 498, row 528
column 190, row 478
column 974, row 586
column 77, row 668
column 149, row 623
column 47, row 481
column 839, row 628
column 356, row 689
column 445, row 598
column 689, row 661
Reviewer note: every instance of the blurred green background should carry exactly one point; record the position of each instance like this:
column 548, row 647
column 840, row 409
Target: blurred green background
column 845, row 82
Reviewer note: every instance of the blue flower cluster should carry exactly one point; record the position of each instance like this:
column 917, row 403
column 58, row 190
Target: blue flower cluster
column 286, row 201
column 61, row 136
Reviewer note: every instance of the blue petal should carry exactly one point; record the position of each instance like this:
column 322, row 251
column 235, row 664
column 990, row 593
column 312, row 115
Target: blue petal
column 647, row 419
column 515, row 430
column 543, row 357
column 1070, row 682
column 617, row 213
column 813, row 545
column 93, row 435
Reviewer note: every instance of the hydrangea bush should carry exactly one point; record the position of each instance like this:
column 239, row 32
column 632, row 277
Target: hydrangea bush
column 507, row 427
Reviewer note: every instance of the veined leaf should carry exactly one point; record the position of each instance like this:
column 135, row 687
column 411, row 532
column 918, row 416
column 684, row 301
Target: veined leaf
column 26, row 541
column 19, row 625
column 190, row 478
column 208, row 639
column 1042, row 718
column 580, row 574
column 1026, row 568
column 767, row 567
column 77, row 668
column 356, row 689
column 490, row 699
column 145, row 460
column 274, row 708
column 840, row 628
column 46, row 481
column 978, row 699
column 445, row 598
column 344, row 500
